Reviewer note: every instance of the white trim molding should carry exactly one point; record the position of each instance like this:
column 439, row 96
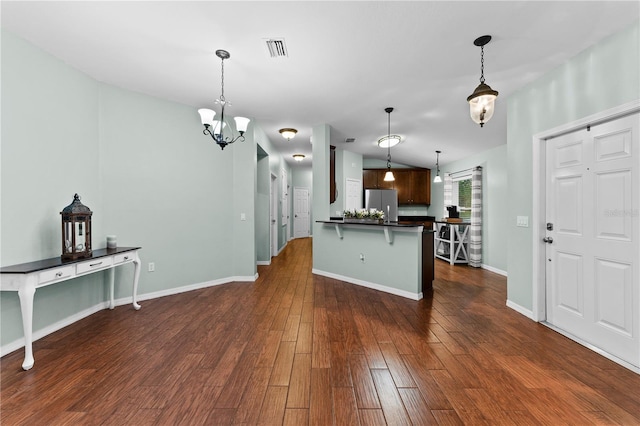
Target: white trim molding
column 494, row 270
column 374, row 286
column 521, row 310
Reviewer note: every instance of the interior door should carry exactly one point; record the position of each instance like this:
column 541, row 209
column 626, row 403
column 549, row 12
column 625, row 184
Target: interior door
column 301, row 212
column 592, row 247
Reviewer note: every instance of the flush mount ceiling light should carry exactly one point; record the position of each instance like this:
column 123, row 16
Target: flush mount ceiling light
column 298, row 157
column 482, row 100
column 216, row 128
column 437, row 178
column 388, row 177
column 389, row 141
column 288, row 133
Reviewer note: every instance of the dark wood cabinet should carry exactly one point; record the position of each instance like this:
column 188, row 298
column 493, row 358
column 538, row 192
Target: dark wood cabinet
column 374, row 179
column 332, row 175
column 413, row 185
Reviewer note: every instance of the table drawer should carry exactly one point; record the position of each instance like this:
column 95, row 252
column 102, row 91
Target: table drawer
column 93, row 265
column 55, row 274
column 123, row 257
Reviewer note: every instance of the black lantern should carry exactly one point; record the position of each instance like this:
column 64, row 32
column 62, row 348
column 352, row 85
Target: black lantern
column 76, row 230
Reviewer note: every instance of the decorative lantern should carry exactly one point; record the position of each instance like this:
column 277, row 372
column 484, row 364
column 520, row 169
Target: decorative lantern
column 76, row 230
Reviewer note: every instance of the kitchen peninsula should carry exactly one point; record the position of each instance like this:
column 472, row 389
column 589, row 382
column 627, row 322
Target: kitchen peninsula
column 392, row 257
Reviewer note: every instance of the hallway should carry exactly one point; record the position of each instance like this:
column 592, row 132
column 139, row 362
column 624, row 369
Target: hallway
column 295, row 348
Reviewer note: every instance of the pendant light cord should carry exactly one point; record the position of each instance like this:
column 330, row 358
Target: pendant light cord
column 389, row 141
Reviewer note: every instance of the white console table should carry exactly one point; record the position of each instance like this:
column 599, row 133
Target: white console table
column 25, row 278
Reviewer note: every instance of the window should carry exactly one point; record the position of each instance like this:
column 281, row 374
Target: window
column 461, row 195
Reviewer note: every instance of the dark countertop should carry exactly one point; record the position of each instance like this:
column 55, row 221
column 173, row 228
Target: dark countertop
column 453, row 223
column 38, row 265
column 416, row 218
column 390, row 224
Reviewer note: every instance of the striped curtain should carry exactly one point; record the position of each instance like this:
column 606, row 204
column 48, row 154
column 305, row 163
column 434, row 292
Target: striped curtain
column 448, row 193
column 475, row 232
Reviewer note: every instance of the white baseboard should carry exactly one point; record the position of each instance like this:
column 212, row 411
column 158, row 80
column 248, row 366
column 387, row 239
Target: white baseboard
column 395, row 291
column 39, row 334
column 494, row 270
column 521, row 310
column 282, row 248
column 263, row 262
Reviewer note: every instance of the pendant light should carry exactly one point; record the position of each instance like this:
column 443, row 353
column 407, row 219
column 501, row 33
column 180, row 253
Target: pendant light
column 437, row 179
column 388, row 177
column 482, row 100
column 216, row 128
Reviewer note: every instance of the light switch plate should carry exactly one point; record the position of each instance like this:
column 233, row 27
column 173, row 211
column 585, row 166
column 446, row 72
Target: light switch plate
column 522, row 221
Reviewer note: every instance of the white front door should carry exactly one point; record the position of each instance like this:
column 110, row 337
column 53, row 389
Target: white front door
column 300, row 212
column 592, row 250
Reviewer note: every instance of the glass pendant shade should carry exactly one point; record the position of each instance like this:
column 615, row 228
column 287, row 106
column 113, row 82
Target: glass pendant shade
column 206, row 116
column 388, row 177
column 481, row 103
column 388, row 141
column 241, row 124
column 437, row 179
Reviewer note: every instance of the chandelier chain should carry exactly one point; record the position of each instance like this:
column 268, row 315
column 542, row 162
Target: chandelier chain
column 481, row 64
column 222, row 79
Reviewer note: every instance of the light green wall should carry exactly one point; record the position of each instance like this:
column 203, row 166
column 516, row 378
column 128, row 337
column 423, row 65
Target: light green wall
column 601, row 77
column 494, row 202
column 141, row 164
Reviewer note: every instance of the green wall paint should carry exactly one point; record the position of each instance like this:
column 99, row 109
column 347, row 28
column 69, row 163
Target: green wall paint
column 494, row 199
column 601, row 77
column 144, row 168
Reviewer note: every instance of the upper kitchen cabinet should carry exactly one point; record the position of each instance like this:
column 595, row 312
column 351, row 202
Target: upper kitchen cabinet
column 374, row 179
column 413, row 185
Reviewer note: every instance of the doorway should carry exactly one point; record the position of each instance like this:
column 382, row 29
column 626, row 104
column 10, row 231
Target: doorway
column 586, row 239
column 273, row 215
column 300, row 212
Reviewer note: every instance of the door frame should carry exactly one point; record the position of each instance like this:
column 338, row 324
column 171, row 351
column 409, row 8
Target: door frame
column 273, row 215
column 539, row 146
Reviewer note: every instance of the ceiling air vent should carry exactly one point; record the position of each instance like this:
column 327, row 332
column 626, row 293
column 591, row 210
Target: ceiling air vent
column 350, row 140
column 276, row 48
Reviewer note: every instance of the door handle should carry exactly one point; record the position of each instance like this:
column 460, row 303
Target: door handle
column 548, row 240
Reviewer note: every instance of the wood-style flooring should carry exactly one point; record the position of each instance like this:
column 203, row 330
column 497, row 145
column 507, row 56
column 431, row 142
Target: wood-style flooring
column 295, row 348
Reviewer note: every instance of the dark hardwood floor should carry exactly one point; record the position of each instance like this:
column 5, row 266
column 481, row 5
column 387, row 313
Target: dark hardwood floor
column 294, row 348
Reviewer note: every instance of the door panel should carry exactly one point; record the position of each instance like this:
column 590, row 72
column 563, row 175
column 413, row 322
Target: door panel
column 593, row 283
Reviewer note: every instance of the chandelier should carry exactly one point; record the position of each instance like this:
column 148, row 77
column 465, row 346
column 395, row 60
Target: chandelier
column 482, row 100
column 217, row 128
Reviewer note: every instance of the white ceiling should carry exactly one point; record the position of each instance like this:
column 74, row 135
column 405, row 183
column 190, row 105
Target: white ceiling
column 347, row 60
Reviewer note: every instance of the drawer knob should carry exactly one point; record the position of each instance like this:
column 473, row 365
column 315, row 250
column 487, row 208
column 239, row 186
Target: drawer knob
column 58, row 274
column 126, row 258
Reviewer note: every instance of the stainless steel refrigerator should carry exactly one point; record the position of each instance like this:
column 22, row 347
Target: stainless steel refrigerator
column 383, row 199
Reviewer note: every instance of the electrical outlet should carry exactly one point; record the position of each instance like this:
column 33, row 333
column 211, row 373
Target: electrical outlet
column 152, row 267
